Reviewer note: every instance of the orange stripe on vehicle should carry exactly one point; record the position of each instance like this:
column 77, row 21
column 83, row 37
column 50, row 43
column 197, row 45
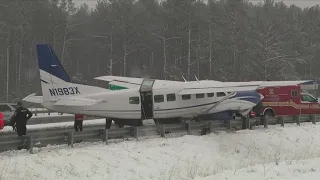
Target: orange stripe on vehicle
column 292, row 104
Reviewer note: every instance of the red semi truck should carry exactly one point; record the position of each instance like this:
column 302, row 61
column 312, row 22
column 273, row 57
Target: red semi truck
column 287, row 100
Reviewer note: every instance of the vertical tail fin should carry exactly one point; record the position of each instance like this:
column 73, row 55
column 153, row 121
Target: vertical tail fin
column 55, row 82
column 50, row 67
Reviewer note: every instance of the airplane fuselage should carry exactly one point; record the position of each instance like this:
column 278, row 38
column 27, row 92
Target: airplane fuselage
column 161, row 101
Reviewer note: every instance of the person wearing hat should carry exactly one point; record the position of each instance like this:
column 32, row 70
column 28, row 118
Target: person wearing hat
column 20, row 118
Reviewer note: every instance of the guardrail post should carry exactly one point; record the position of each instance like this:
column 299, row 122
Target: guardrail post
column 106, row 135
column 228, row 123
column 245, row 123
column 136, row 132
column 162, row 130
column 188, row 126
column 209, row 127
column 30, row 144
column 313, row 118
column 251, row 126
column 298, row 119
column 70, row 139
column 265, row 122
column 281, row 118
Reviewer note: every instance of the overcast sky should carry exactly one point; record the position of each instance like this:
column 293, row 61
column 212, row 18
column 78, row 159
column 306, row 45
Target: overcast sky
column 300, row 3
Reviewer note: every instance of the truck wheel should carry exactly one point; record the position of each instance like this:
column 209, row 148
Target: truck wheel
column 269, row 113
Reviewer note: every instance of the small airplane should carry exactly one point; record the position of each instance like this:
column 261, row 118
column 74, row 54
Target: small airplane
column 161, row 100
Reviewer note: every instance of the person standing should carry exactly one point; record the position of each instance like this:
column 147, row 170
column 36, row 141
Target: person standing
column 78, row 122
column 20, row 118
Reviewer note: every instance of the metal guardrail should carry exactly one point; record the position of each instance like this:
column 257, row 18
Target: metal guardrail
column 36, row 138
column 56, row 119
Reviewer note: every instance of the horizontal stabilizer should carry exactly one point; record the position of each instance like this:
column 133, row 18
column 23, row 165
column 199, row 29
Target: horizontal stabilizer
column 76, row 101
column 32, row 98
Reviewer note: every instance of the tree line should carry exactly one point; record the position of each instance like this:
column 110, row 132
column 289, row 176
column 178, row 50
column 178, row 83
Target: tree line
column 227, row 40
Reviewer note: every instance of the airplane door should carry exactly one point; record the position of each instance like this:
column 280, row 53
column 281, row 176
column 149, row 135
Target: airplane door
column 146, row 99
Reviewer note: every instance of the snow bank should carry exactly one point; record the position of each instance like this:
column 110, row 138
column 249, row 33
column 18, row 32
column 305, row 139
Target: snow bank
column 279, row 153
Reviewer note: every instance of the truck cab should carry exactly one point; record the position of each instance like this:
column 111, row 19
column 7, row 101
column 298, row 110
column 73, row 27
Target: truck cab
column 287, row 100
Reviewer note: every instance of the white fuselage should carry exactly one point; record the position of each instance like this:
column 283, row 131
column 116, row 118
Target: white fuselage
column 115, row 104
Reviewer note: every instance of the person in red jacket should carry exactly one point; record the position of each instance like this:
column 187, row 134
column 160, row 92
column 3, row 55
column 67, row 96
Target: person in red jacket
column 1, row 121
column 78, row 121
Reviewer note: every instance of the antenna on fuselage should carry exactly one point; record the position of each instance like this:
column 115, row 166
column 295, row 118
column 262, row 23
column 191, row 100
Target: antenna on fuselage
column 184, row 79
column 196, row 78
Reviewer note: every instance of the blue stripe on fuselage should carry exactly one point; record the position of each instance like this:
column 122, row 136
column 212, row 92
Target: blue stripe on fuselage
column 251, row 96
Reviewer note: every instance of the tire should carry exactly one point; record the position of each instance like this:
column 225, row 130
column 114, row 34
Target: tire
column 269, row 113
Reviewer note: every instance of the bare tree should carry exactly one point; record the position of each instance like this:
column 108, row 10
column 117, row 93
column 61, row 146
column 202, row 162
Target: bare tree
column 164, row 42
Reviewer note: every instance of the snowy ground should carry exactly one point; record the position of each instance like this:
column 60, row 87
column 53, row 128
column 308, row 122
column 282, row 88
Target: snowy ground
column 276, row 153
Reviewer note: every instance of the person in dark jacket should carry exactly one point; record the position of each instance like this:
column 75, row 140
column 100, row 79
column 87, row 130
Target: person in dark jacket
column 19, row 119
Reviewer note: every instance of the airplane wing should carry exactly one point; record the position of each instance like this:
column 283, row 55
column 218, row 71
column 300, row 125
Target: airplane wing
column 127, row 82
column 211, row 87
column 130, row 82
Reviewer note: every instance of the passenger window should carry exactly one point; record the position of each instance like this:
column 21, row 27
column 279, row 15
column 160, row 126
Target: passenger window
column 158, row 98
column 294, row 93
column 171, row 97
column 220, row 94
column 210, row 94
column 186, row 96
column 134, row 100
column 4, row 108
column 199, row 95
